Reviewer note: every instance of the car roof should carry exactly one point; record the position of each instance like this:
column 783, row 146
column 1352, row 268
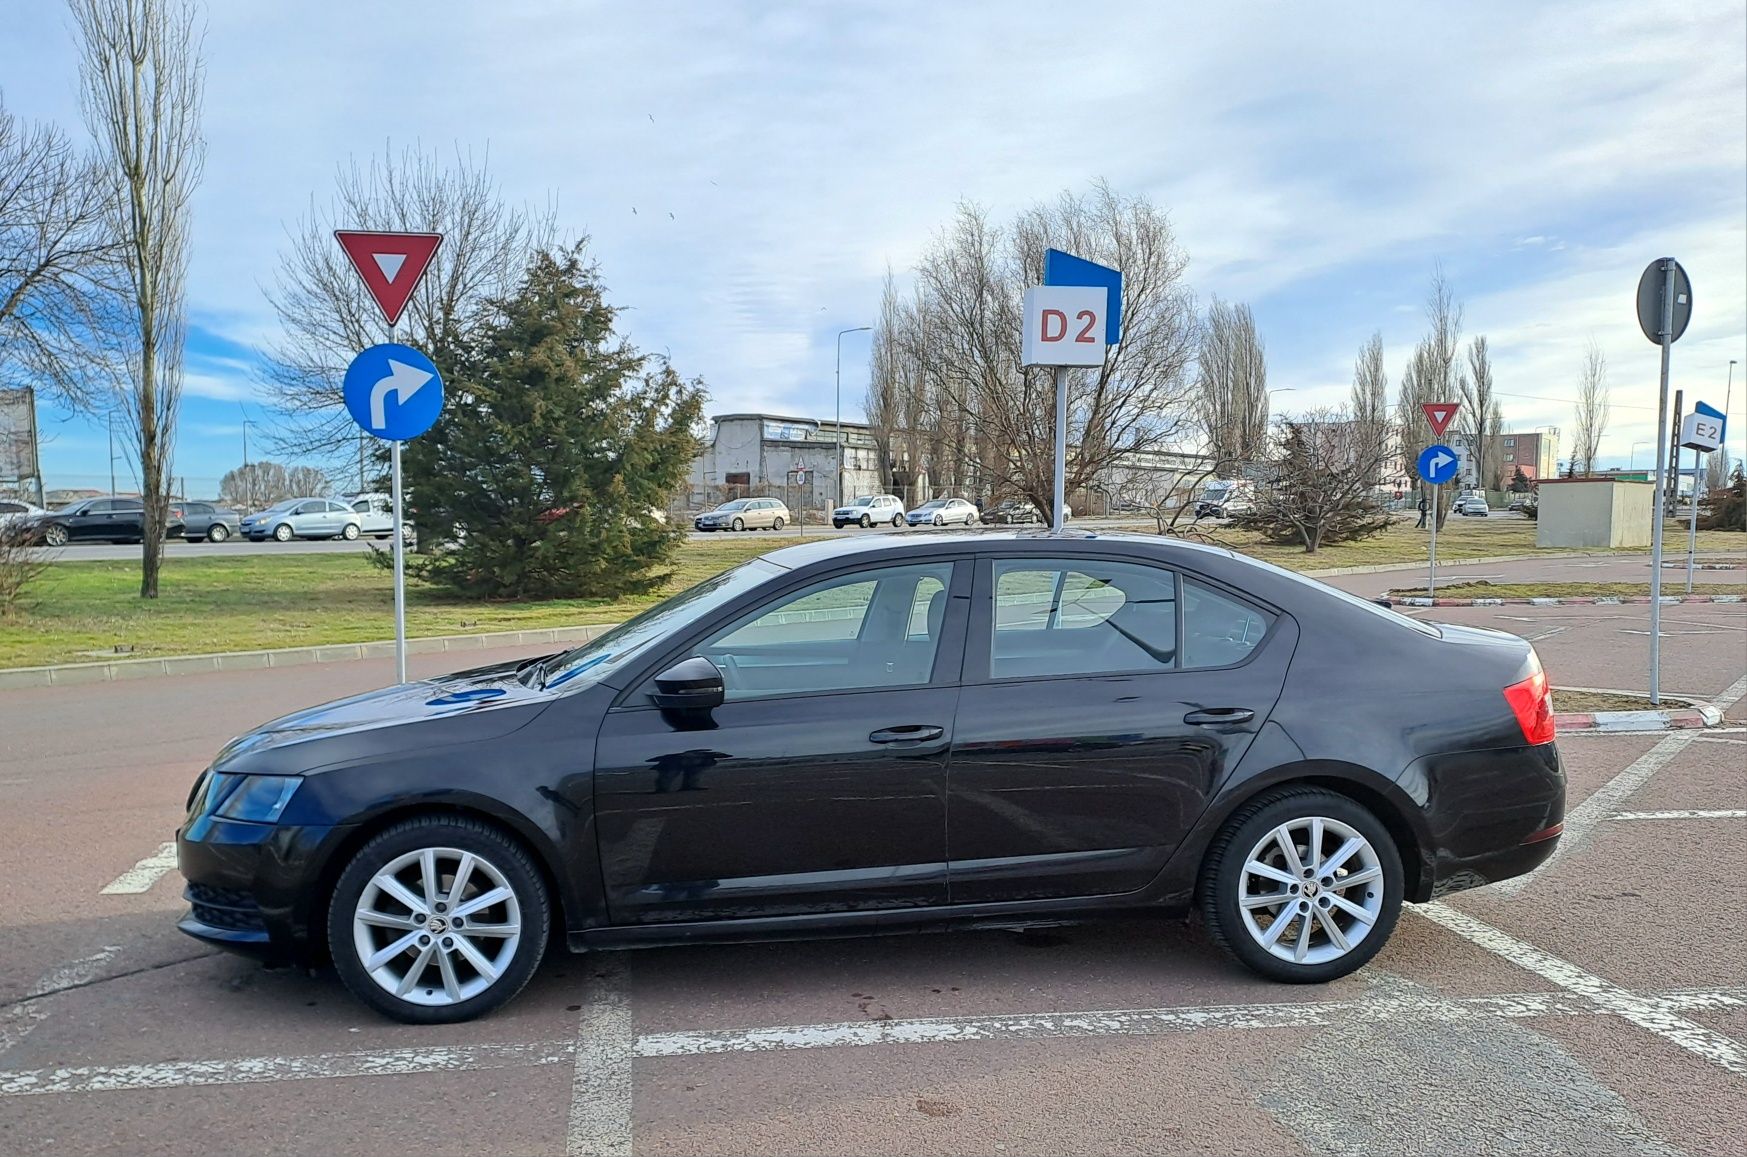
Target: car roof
column 958, row 543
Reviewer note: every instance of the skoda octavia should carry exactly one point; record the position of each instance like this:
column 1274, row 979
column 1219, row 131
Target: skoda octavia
column 877, row 734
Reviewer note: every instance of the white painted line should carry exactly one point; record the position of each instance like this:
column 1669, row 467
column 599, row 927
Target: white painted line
column 1720, row 739
column 600, row 1089
column 1546, row 634
column 1581, row 820
column 1647, row 1014
column 17, row 1022
column 144, row 874
column 1128, row 1022
column 1725, row 814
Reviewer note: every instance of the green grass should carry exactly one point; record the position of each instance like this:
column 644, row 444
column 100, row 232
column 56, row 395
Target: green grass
column 258, row 601
column 1482, row 589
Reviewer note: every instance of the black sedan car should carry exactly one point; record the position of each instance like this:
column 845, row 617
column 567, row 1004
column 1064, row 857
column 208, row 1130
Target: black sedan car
column 879, row 734
column 97, row 520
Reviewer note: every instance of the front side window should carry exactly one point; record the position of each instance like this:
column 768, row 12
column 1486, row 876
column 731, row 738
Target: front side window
column 875, row 628
column 309, row 508
column 1081, row 617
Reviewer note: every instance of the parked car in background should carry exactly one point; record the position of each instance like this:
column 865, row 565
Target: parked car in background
column 206, row 520
column 108, row 519
column 745, row 514
column 943, row 512
column 1018, row 511
column 376, row 516
column 16, row 512
column 869, row 509
column 1226, row 498
column 1471, row 505
column 304, row 518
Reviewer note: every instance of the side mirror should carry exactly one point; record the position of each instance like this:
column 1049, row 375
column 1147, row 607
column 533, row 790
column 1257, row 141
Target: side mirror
column 693, row 684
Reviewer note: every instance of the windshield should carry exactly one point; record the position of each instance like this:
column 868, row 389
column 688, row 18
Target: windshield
column 936, row 504
column 737, row 504
column 597, row 658
column 863, row 500
column 1218, row 487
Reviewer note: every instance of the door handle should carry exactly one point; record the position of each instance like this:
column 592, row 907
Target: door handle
column 914, row 733
column 1213, row 716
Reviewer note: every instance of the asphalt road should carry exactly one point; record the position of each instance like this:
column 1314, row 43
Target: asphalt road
column 1600, row 1007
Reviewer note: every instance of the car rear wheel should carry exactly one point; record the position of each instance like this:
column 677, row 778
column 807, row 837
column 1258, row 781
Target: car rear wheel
column 739, row 524
column 55, row 535
column 438, row 920
column 897, row 520
column 282, row 532
column 351, row 531
column 217, row 532
column 1302, row 886
column 970, row 520
column 777, row 524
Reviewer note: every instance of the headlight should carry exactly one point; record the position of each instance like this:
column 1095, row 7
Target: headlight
column 258, row 799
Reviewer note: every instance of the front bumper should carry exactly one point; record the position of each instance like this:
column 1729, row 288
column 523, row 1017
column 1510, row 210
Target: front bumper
column 255, row 888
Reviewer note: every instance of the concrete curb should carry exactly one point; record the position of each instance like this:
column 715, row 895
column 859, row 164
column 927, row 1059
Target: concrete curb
column 1705, row 566
column 1703, row 715
column 1485, row 560
column 113, row 671
column 1581, row 601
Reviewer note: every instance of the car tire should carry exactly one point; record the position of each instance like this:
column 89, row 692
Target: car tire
column 739, row 524
column 282, row 533
column 897, row 520
column 54, row 535
column 217, row 532
column 350, row 533
column 1248, row 862
column 866, row 522
column 939, row 521
column 970, row 520
column 777, row 524
column 437, row 979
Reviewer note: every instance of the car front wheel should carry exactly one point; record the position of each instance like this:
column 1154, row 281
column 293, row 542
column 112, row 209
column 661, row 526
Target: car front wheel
column 438, row 920
column 1302, row 886
column 282, row 532
column 739, row 524
column 866, row 522
column 55, row 535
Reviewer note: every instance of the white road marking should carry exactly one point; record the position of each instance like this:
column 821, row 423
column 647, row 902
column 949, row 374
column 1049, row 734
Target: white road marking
column 1546, row 634
column 1647, row 1014
column 1581, row 820
column 144, row 874
column 17, row 1022
column 600, row 1090
column 1724, row 814
column 1719, row 739
column 1123, row 1022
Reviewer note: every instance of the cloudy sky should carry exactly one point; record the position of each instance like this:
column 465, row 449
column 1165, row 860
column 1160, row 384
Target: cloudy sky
column 1318, row 162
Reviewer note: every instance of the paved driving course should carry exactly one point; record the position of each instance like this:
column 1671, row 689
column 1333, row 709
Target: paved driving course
column 1597, row 1007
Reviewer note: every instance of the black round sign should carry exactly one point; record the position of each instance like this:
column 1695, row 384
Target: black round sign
column 1650, row 301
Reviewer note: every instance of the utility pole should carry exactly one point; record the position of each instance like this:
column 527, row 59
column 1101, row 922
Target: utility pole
column 112, row 454
column 248, row 479
column 840, row 333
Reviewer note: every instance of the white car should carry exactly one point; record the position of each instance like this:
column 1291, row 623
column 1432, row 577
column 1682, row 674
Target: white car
column 868, row 510
column 17, row 511
column 1471, row 504
column 376, row 516
column 943, row 512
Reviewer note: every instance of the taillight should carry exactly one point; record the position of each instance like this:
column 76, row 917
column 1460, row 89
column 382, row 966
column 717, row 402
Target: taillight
column 1532, row 701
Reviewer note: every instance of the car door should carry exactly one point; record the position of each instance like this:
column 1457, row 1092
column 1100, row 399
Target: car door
column 307, row 518
column 819, row 784
column 1104, row 701
column 126, row 518
column 90, row 520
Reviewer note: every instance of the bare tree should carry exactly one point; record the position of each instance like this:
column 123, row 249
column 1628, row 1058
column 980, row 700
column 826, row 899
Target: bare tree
column 963, row 338
column 56, row 255
column 1433, row 374
column 308, row 481
column 21, row 563
column 142, row 81
column 1369, row 401
column 1494, row 479
column 1479, row 407
column 327, row 316
column 1232, row 385
column 1717, row 468
column 1323, row 483
column 1592, row 409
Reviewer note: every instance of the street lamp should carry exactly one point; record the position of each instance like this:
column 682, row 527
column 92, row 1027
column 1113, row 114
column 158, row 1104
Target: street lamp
column 1633, row 461
column 840, row 333
column 1728, row 393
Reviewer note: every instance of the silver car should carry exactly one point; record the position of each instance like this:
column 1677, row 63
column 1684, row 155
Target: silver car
column 943, row 512
column 745, row 514
column 303, row 518
column 869, row 509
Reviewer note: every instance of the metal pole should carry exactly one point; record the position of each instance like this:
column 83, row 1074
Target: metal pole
column 1432, row 568
column 112, row 452
column 1728, row 393
column 1666, row 333
column 1061, row 445
column 1671, row 501
column 839, row 435
column 1692, row 527
column 399, row 571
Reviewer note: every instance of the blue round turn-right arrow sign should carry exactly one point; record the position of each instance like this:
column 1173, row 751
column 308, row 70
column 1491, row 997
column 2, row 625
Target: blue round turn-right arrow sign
column 1437, row 464
column 394, row 392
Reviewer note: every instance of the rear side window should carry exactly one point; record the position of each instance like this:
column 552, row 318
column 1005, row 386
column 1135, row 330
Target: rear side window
column 1081, row 617
column 1218, row 630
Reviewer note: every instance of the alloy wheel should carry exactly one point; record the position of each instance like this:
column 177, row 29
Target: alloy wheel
column 1311, row 890
column 437, row 926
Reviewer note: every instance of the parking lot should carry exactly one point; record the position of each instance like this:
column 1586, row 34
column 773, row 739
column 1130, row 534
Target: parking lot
column 1598, row 1006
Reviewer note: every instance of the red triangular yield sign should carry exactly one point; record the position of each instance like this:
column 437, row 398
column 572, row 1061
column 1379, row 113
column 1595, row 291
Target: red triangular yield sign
column 1439, row 414
column 390, row 264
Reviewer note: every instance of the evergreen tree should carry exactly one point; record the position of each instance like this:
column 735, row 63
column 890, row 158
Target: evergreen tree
column 1519, row 482
column 558, row 444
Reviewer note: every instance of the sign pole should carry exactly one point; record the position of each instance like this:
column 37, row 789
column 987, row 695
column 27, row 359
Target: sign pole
column 1692, row 527
column 1061, row 445
column 1666, row 336
column 399, row 570
column 1432, row 570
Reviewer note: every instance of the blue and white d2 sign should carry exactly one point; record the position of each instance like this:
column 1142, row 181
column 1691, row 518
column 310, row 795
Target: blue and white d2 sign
column 1437, row 464
column 394, row 392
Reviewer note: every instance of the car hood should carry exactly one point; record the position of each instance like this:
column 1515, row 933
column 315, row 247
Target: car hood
column 466, row 707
